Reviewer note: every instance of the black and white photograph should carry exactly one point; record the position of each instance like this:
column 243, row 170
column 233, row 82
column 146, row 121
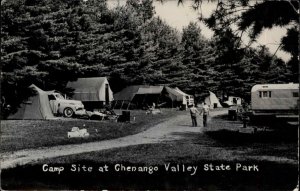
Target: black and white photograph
column 149, row 95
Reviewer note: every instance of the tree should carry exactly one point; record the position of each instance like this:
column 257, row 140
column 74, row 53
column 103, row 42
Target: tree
column 198, row 57
column 254, row 17
column 40, row 43
column 49, row 43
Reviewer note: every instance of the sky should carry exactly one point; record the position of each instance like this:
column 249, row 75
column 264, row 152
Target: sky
column 179, row 16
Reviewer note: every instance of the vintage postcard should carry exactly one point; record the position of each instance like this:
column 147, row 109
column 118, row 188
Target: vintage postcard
column 149, row 95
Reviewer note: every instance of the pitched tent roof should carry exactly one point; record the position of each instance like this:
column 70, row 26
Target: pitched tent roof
column 178, row 90
column 212, row 100
column 90, row 89
column 187, row 99
column 175, row 95
column 36, row 107
column 150, row 90
column 127, row 94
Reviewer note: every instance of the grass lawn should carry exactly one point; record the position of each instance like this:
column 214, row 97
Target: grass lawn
column 276, row 161
column 222, row 143
column 211, row 146
column 223, row 140
column 26, row 134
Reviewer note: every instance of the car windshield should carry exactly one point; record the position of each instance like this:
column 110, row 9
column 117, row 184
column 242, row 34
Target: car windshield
column 59, row 96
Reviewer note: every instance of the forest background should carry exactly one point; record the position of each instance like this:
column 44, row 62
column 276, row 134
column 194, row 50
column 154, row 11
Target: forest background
column 49, row 43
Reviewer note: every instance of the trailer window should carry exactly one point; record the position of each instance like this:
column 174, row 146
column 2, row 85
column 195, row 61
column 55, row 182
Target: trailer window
column 265, row 94
column 295, row 94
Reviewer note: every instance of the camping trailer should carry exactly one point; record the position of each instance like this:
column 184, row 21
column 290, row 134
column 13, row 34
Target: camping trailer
column 278, row 99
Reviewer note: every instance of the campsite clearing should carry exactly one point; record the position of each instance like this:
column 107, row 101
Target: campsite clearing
column 173, row 141
column 223, row 140
column 220, row 132
column 29, row 134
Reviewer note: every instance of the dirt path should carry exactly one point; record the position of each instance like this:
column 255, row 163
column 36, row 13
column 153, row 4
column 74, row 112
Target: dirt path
column 159, row 133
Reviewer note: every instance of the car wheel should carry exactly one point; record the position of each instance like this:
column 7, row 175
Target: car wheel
column 68, row 112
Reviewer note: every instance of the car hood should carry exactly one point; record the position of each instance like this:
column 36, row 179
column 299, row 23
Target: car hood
column 72, row 102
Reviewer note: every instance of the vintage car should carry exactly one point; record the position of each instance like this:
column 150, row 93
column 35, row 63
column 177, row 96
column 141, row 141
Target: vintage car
column 66, row 107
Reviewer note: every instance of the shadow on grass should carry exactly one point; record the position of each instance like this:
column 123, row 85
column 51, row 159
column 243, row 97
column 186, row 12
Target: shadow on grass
column 228, row 136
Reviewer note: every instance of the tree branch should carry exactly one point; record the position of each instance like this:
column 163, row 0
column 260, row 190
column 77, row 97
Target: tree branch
column 276, row 50
column 294, row 8
column 235, row 11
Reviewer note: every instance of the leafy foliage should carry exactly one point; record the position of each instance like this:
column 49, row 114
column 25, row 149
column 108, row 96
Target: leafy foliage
column 49, row 43
column 254, row 17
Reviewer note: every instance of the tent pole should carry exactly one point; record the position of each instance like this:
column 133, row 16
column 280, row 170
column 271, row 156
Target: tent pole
column 128, row 106
column 122, row 105
column 144, row 100
column 115, row 104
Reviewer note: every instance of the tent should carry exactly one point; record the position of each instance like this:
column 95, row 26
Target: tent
column 35, row 107
column 212, row 101
column 141, row 95
column 179, row 97
column 233, row 100
column 187, row 99
column 129, row 93
column 147, row 95
column 174, row 95
column 93, row 92
column 149, row 90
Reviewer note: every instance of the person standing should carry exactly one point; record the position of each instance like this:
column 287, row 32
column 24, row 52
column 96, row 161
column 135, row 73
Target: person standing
column 205, row 111
column 245, row 114
column 193, row 112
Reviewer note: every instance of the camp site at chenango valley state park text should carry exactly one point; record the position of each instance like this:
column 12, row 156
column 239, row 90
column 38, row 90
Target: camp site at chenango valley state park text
column 149, row 95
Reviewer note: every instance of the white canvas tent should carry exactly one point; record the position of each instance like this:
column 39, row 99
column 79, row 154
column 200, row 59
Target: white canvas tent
column 186, row 98
column 93, row 92
column 173, row 94
column 233, row 100
column 212, row 101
